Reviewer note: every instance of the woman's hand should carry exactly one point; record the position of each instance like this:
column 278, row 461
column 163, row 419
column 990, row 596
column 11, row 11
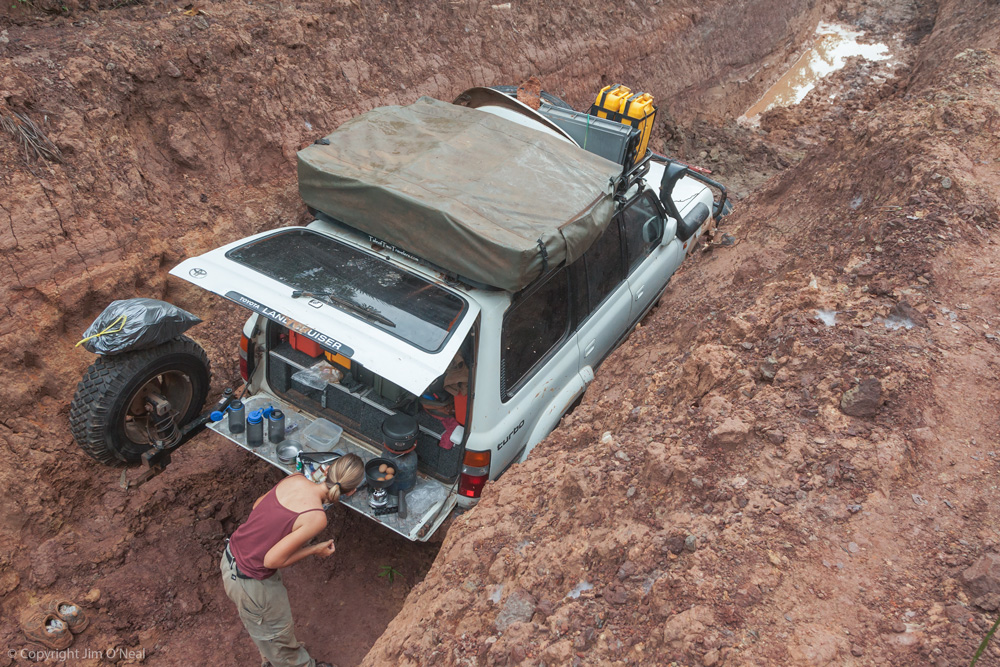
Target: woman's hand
column 324, row 549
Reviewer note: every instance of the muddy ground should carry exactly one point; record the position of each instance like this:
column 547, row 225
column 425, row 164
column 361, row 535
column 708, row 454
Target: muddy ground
column 743, row 483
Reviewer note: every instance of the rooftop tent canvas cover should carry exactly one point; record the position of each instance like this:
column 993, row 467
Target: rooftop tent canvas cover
column 477, row 195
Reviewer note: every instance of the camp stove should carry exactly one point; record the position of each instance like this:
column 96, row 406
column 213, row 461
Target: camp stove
column 378, row 498
column 378, row 495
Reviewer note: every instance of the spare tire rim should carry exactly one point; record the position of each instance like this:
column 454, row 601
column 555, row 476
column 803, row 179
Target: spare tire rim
column 174, row 386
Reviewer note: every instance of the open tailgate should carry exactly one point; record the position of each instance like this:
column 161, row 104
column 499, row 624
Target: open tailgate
column 333, row 328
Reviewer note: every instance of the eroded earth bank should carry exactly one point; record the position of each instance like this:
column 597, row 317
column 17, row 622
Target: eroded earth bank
column 750, row 480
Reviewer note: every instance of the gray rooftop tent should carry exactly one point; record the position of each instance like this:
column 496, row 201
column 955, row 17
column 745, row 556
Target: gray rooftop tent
column 477, row 195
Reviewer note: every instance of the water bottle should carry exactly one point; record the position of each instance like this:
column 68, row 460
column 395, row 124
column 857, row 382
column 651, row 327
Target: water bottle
column 237, row 417
column 255, row 429
column 276, row 426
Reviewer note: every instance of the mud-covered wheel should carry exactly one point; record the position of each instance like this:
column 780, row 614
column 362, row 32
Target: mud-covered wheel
column 110, row 417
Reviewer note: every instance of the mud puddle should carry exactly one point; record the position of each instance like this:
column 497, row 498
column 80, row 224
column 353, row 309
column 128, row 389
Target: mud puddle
column 832, row 46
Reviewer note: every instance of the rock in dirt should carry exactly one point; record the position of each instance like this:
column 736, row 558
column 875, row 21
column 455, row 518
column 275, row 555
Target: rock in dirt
column 170, row 69
column 658, row 471
column 618, row 595
column 768, row 368
column 683, row 630
column 8, row 582
column 956, row 613
column 815, row 644
column 905, row 311
column 775, row 437
column 730, row 433
column 674, row 544
column 982, row 579
column 519, row 608
column 863, row 400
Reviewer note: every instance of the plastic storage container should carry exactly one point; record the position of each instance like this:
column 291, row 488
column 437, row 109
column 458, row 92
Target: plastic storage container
column 321, row 436
column 304, row 345
column 338, row 360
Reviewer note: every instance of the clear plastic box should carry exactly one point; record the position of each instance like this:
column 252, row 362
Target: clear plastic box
column 321, row 436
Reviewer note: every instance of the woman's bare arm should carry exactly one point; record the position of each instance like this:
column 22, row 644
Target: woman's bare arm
column 291, row 548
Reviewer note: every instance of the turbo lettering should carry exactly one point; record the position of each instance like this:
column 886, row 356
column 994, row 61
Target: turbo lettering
column 510, row 435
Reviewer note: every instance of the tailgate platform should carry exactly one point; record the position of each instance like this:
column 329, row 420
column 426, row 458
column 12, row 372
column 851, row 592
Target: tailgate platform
column 428, row 504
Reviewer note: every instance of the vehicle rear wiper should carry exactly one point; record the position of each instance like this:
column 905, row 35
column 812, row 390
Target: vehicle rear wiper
column 365, row 311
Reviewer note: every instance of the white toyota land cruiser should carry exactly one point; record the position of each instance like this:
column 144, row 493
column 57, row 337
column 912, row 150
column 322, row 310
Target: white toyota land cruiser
column 469, row 268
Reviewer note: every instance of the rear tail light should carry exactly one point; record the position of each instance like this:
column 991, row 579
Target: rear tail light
column 246, row 358
column 475, row 473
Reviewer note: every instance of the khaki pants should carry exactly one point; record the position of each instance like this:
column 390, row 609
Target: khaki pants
column 267, row 616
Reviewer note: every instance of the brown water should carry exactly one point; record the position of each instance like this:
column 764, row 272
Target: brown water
column 832, row 46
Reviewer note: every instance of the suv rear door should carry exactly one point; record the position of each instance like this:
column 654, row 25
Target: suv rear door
column 601, row 297
column 538, row 358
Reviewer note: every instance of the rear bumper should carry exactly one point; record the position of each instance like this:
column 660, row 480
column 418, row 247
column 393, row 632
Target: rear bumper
column 428, row 504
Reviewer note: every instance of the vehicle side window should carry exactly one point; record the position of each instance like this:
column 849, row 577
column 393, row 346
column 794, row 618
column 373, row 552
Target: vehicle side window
column 578, row 290
column 605, row 270
column 635, row 218
column 532, row 327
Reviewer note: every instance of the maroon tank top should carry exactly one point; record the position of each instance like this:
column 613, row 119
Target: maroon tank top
column 268, row 524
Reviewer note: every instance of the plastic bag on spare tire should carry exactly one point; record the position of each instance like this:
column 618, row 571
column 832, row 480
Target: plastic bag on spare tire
column 136, row 324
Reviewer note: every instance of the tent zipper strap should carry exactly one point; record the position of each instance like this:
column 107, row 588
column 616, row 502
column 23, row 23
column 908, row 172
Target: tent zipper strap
column 545, row 258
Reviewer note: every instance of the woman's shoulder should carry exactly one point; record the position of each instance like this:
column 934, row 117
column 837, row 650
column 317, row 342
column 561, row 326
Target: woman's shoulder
column 293, row 493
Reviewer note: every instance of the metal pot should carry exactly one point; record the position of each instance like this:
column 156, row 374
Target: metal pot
column 287, row 451
column 399, row 443
column 399, row 433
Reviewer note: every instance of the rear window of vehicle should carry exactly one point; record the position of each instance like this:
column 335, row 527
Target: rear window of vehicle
column 367, row 287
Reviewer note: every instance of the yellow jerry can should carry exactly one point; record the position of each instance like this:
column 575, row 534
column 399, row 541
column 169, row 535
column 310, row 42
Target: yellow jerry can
column 610, row 100
column 639, row 112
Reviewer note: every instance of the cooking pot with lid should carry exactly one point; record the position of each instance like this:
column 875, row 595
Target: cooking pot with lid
column 399, row 433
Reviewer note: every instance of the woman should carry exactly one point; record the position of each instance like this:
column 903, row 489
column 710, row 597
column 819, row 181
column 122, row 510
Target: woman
column 282, row 521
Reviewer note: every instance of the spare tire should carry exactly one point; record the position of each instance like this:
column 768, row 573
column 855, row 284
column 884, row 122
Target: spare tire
column 548, row 98
column 108, row 418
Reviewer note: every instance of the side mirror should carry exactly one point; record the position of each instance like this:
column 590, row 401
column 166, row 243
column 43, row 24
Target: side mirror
column 652, row 230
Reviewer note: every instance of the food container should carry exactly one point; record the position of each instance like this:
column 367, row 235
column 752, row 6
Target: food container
column 321, row 435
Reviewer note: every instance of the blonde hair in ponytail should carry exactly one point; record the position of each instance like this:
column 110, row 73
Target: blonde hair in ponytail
column 344, row 475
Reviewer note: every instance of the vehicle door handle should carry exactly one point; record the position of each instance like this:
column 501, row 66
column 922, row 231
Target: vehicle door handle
column 590, row 348
column 639, row 292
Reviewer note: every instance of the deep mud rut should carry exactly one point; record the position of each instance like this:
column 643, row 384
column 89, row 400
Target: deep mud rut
column 711, row 492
